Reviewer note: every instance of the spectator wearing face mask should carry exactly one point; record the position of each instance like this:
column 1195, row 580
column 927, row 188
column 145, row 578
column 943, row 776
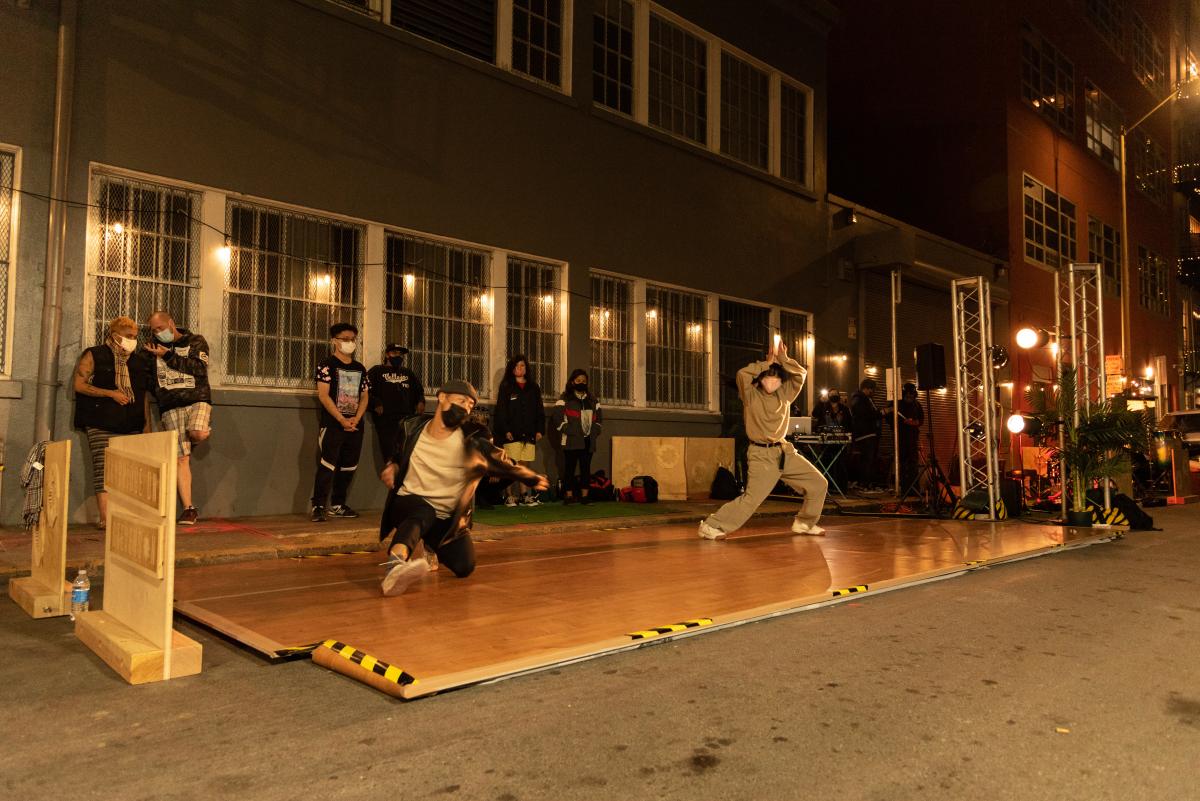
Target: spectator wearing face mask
column 112, row 382
column 343, row 391
column 396, row 393
column 577, row 418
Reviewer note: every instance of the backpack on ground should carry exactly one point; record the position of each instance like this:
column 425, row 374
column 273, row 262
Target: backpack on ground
column 725, row 486
column 633, row 495
column 600, row 488
column 648, row 485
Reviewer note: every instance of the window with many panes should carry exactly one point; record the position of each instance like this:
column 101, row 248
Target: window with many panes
column 1149, row 60
column 678, row 80
column 537, row 39
column 1154, row 293
column 745, row 111
column 793, row 129
column 291, row 276
column 1108, row 17
column 1104, row 122
column 611, row 322
column 1047, row 79
column 468, row 26
column 1104, row 248
column 676, row 348
column 612, row 55
column 535, row 325
column 437, row 303
column 145, row 255
column 1049, row 225
column 1151, row 175
column 793, row 333
column 8, row 173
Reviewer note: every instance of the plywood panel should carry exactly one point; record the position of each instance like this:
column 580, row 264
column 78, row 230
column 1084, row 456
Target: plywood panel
column 702, row 456
column 41, row 594
column 660, row 457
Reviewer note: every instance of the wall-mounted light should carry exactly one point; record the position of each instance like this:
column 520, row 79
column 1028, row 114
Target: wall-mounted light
column 1029, row 338
column 1148, row 373
column 224, row 254
column 1024, row 424
column 651, row 314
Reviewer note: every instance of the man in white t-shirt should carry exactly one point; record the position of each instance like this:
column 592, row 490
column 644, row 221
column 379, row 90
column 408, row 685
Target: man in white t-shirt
column 431, row 476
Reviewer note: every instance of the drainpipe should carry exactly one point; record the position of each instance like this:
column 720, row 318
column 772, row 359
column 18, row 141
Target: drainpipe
column 56, row 233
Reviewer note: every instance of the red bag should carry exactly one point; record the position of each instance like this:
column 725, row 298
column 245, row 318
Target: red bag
column 633, row 495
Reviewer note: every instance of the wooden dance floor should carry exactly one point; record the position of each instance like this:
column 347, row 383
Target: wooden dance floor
column 547, row 599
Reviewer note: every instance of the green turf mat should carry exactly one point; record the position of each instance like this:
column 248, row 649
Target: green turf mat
column 555, row 511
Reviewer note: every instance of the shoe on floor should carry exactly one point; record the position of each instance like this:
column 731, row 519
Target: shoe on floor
column 710, row 532
column 531, row 501
column 510, row 501
column 431, row 560
column 318, row 514
column 189, row 517
column 811, row 529
column 342, row 511
column 403, row 575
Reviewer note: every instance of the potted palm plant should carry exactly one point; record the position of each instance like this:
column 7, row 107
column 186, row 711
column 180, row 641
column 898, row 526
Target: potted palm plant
column 1096, row 439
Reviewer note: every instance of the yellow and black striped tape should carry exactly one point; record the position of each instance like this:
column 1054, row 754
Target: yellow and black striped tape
column 687, row 624
column 850, row 590
column 1111, row 516
column 329, row 555
column 976, row 563
column 963, row 513
column 389, row 672
column 297, row 649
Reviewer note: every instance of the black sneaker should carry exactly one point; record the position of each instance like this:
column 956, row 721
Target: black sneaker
column 188, row 517
column 342, row 511
column 318, row 514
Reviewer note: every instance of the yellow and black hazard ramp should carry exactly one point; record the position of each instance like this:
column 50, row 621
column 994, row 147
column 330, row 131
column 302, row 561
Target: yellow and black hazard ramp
column 349, row 661
column 963, row 512
column 646, row 634
column 1108, row 517
column 296, row 650
column 977, row 563
column 857, row 588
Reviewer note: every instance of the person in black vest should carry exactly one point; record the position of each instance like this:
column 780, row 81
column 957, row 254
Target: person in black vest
column 577, row 419
column 111, row 396
column 518, row 423
column 396, row 393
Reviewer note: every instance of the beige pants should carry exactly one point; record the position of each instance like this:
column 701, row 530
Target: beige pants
column 764, row 472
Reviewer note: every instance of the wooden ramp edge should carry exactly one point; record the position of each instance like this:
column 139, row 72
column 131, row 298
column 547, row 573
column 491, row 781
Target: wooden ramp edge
column 393, row 680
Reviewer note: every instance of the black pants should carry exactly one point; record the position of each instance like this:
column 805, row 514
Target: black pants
column 868, row 455
column 909, row 463
column 413, row 520
column 386, row 428
column 581, row 461
column 340, row 450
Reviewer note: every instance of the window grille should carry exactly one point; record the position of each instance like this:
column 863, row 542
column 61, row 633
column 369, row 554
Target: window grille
column 793, row 333
column 537, row 31
column 145, row 254
column 611, row 321
column 793, row 107
column 612, row 55
column 1047, row 80
column 678, row 81
column 291, row 276
column 676, row 349
column 1050, row 227
column 534, row 306
column 745, row 112
column 438, row 305
column 8, row 169
column 468, row 26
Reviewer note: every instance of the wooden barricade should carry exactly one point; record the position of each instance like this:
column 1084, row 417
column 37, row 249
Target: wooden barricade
column 684, row 467
column 46, row 593
column 134, row 632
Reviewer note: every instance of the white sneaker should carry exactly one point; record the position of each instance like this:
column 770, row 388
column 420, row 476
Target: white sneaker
column 403, row 575
column 510, row 501
column 811, row 529
column 531, row 500
column 710, row 532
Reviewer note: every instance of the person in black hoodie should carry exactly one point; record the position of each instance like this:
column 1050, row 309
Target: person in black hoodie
column 518, row 423
column 111, row 396
column 866, row 423
column 577, row 419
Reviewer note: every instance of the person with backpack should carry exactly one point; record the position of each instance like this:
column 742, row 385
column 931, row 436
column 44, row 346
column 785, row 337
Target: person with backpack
column 577, row 418
column 767, row 389
column 518, row 423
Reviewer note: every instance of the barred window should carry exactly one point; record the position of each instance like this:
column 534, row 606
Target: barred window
column 291, row 276
column 537, row 39
column 1154, row 294
column 793, row 333
column 745, row 111
column 678, row 81
column 146, row 253
column 793, row 133
column 612, row 55
column 1047, row 79
column 612, row 339
column 1104, row 248
column 535, row 318
column 1149, row 59
column 1108, row 17
column 1049, row 225
column 1150, row 172
column 437, row 303
column 676, row 349
column 8, row 173
column 1104, row 122
column 468, row 26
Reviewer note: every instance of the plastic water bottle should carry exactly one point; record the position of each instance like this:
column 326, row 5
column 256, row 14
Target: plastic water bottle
column 80, row 589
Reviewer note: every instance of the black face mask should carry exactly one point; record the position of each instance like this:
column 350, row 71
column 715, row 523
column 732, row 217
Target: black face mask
column 455, row 416
column 580, row 388
column 396, row 362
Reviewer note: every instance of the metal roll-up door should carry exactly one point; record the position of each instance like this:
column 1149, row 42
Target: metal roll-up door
column 924, row 315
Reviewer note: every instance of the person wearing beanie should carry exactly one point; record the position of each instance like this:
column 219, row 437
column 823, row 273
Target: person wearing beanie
column 436, row 465
column 342, row 390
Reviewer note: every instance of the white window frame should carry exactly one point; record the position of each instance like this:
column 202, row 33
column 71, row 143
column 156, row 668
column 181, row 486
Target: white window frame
column 1061, row 257
column 14, row 235
column 504, row 44
column 716, row 46
column 634, row 395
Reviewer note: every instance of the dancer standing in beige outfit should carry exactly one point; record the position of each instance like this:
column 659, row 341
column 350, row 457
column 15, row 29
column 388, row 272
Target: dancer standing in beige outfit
column 767, row 389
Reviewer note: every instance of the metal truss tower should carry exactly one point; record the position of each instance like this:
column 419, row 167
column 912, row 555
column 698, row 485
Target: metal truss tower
column 978, row 460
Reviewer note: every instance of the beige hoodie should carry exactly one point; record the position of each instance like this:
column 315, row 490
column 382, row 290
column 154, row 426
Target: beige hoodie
column 766, row 415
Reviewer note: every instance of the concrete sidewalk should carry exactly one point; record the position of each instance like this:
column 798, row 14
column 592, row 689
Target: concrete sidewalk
column 216, row 540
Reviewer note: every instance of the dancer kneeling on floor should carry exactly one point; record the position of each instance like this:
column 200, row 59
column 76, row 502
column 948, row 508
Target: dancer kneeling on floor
column 436, row 464
column 767, row 390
